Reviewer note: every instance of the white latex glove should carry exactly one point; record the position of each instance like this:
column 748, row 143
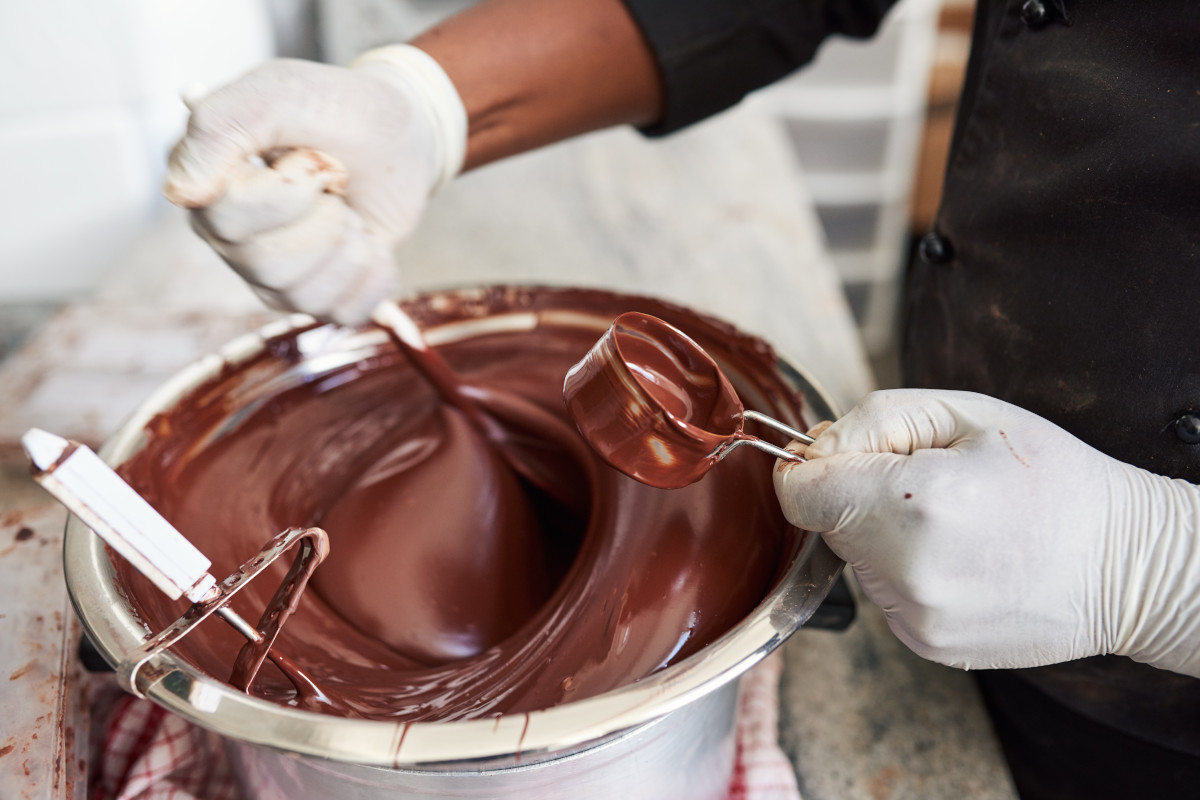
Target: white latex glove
column 992, row 538
column 304, row 176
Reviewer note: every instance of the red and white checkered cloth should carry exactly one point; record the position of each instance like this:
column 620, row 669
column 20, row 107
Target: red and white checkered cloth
column 146, row 753
column 761, row 770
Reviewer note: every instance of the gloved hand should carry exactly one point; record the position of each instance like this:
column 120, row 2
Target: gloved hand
column 303, row 176
column 992, row 538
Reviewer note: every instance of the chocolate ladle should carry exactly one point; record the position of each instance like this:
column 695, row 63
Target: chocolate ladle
column 655, row 406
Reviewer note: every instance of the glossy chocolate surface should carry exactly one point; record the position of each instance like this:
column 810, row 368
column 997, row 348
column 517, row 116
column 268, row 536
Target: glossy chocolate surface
column 455, row 589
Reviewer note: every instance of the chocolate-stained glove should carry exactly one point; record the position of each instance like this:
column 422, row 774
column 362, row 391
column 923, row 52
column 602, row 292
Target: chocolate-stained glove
column 992, row 538
column 304, row 176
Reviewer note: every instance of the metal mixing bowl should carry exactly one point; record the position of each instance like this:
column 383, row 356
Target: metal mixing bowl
column 667, row 735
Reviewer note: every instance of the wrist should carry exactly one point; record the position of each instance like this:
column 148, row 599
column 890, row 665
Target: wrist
column 1159, row 616
column 420, row 78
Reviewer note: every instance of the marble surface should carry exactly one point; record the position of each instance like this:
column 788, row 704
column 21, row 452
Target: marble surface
column 43, row 702
column 713, row 218
column 862, row 717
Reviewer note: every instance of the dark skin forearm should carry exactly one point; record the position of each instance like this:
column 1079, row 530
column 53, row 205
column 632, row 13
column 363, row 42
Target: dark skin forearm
column 532, row 72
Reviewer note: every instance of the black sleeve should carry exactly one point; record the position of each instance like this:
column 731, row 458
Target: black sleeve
column 711, row 53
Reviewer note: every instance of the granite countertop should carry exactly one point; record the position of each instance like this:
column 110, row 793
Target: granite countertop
column 714, row 218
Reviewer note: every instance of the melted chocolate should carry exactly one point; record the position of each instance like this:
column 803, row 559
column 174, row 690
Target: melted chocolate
column 453, row 588
column 557, row 477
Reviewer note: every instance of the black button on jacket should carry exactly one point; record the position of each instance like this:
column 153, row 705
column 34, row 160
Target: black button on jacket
column 1072, row 204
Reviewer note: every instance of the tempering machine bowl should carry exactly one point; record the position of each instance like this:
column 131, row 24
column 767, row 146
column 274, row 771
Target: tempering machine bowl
column 669, row 735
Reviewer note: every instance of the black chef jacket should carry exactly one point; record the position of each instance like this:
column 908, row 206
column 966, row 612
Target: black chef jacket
column 1063, row 275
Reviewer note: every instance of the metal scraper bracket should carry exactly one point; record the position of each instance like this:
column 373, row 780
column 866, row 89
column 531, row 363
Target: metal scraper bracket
column 313, row 544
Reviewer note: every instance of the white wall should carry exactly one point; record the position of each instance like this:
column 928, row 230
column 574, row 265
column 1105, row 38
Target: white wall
column 89, row 108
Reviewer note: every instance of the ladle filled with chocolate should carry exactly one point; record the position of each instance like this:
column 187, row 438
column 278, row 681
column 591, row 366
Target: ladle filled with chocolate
column 658, row 408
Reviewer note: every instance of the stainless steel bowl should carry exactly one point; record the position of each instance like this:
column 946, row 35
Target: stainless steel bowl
column 668, row 735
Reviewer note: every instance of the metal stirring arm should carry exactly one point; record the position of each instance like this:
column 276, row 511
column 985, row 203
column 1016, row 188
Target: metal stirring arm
column 90, row 489
column 313, row 546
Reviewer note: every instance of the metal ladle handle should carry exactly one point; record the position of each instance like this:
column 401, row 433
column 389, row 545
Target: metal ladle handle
column 767, row 447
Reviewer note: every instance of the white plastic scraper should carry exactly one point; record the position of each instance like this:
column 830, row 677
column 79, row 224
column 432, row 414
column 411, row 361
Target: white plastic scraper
column 82, row 482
